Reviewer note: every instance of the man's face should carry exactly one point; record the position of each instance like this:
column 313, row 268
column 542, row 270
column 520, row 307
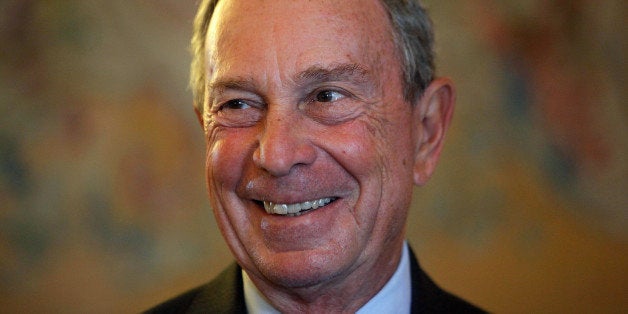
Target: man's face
column 310, row 144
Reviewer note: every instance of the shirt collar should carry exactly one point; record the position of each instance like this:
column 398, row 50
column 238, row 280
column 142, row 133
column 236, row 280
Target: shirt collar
column 394, row 297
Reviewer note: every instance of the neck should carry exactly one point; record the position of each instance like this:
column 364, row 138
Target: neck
column 346, row 293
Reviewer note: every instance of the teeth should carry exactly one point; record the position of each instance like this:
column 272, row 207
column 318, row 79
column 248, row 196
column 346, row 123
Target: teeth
column 295, row 209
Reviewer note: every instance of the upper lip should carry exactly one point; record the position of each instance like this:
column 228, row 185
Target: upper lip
column 290, row 190
column 281, row 195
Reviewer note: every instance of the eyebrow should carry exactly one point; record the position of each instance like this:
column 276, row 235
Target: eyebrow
column 344, row 72
column 316, row 74
column 219, row 86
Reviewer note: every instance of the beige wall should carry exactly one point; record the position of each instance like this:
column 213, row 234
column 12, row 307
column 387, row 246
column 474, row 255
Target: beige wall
column 102, row 195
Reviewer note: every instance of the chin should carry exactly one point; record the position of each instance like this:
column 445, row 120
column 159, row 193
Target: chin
column 302, row 269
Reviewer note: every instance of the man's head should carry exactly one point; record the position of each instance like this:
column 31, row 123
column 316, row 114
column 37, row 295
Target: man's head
column 314, row 140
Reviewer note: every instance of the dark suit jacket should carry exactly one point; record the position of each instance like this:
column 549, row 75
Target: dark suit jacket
column 225, row 294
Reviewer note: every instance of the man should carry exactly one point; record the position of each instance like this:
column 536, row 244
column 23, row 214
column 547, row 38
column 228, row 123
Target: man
column 319, row 118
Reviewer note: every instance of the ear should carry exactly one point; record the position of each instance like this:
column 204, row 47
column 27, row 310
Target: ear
column 433, row 113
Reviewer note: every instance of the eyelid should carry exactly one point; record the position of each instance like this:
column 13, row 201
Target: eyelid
column 219, row 105
column 229, row 94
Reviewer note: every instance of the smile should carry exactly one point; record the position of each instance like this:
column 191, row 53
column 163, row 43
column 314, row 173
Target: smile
column 297, row 208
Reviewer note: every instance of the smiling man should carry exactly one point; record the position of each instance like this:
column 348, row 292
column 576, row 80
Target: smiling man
column 319, row 118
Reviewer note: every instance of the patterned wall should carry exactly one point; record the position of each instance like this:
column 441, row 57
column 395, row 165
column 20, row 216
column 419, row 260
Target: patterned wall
column 102, row 198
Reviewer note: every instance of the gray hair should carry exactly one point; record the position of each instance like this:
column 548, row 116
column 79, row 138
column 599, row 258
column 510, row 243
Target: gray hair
column 412, row 34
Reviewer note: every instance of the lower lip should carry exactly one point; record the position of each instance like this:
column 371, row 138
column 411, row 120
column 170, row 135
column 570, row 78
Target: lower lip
column 294, row 233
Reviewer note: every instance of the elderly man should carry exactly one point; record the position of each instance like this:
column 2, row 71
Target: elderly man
column 319, row 117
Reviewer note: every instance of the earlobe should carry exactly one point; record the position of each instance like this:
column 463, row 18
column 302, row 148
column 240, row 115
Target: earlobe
column 433, row 112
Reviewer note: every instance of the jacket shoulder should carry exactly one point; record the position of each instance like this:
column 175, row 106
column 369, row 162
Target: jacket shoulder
column 224, row 294
column 428, row 297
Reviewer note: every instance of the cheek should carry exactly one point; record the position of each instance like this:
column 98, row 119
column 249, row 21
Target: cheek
column 374, row 145
column 226, row 155
column 354, row 148
column 378, row 154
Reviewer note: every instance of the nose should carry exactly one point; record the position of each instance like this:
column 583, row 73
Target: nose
column 283, row 144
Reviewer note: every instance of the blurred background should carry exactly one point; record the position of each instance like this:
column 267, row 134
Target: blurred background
column 102, row 194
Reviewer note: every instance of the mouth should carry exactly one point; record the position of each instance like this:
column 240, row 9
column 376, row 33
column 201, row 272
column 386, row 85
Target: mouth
column 295, row 209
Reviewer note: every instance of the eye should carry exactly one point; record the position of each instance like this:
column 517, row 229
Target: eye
column 235, row 104
column 331, row 105
column 237, row 113
column 328, row 96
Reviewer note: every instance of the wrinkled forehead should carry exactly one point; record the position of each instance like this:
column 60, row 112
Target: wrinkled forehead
column 299, row 31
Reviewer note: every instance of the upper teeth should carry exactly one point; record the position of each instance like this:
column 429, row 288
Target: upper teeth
column 294, row 209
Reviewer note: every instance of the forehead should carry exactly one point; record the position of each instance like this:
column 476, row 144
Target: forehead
column 281, row 34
